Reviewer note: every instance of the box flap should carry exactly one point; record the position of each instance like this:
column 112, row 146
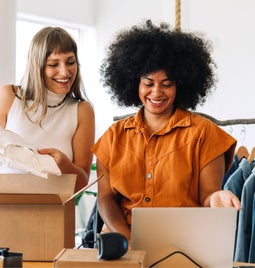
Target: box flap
column 84, row 188
column 59, row 255
column 63, row 185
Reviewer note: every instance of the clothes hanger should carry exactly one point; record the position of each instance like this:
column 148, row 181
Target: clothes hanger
column 251, row 155
column 241, row 152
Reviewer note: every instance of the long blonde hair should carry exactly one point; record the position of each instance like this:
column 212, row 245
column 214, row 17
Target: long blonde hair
column 45, row 42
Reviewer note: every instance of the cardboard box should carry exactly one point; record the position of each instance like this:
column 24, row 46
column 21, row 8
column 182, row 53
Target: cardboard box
column 77, row 258
column 37, row 216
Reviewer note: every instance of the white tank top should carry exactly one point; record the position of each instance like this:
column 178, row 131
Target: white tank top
column 57, row 128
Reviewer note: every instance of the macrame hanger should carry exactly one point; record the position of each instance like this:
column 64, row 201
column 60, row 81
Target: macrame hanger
column 178, row 15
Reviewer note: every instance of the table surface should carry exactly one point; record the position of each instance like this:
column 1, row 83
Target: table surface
column 50, row 264
column 243, row 264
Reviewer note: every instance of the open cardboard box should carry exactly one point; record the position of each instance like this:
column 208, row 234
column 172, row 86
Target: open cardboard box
column 37, row 216
column 77, row 258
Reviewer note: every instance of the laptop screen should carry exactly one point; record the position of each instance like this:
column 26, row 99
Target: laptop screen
column 205, row 235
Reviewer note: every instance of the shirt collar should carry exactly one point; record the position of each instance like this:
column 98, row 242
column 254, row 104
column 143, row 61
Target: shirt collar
column 180, row 118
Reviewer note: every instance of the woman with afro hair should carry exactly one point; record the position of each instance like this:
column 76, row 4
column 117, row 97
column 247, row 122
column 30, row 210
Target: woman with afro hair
column 165, row 155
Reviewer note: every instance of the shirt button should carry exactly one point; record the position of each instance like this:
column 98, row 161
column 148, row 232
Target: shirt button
column 147, row 199
column 148, row 175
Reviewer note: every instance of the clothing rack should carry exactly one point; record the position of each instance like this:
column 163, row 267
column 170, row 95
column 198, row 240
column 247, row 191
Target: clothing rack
column 228, row 122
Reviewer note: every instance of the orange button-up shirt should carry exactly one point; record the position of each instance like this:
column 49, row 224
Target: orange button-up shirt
column 161, row 170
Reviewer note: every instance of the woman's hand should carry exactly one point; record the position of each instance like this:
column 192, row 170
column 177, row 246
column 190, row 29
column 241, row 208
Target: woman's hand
column 67, row 166
column 224, row 198
column 60, row 158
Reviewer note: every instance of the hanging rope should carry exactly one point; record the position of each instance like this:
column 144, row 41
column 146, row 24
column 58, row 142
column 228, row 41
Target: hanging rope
column 178, row 15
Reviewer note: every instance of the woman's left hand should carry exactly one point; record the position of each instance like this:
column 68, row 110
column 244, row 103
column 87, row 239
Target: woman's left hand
column 224, row 198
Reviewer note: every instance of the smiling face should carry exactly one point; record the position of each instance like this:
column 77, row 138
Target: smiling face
column 157, row 94
column 60, row 72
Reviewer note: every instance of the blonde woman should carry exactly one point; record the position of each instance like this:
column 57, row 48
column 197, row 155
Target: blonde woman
column 50, row 106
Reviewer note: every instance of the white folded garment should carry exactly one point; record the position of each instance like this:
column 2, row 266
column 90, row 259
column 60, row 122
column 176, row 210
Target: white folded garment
column 17, row 154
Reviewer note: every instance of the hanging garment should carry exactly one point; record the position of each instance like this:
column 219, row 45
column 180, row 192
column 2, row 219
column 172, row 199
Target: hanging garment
column 246, row 214
column 252, row 245
column 236, row 181
column 232, row 169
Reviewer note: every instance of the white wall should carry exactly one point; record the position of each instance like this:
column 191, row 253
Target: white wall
column 7, row 43
column 228, row 23
column 75, row 11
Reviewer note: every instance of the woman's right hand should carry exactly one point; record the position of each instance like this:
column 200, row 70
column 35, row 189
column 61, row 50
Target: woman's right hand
column 224, row 198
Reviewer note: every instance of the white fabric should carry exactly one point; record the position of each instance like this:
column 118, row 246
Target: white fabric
column 18, row 154
column 56, row 131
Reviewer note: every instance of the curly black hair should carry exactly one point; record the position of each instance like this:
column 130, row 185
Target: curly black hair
column 146, row 48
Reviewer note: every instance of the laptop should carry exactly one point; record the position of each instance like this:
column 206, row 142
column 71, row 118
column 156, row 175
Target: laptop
column 205, row 235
